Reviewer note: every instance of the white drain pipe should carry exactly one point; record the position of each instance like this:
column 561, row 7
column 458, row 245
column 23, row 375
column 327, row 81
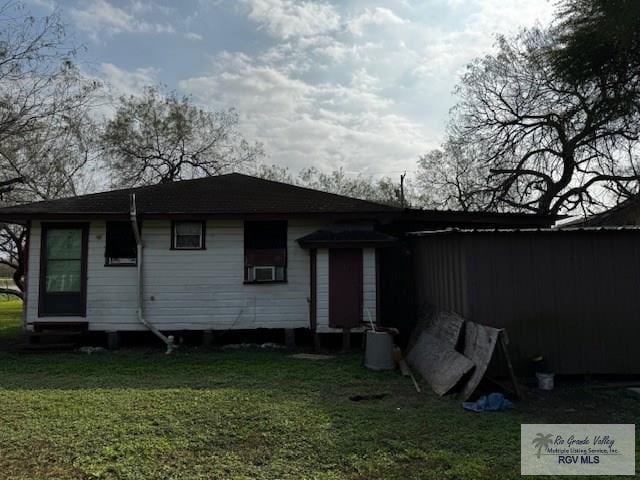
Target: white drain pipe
column 136, row 231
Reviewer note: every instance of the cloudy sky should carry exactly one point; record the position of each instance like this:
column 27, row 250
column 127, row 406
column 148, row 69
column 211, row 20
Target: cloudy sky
column 363, row 85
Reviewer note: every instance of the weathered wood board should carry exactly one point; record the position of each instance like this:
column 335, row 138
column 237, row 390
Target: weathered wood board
column 479, row 345
column 438, row 363
column 444, row 325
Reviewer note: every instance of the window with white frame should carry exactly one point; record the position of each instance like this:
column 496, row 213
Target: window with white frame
column 188, row 235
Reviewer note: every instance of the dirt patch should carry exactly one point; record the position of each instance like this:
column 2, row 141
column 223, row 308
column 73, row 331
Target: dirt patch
column 312, row 356
column 368, row 398
column 580, row 404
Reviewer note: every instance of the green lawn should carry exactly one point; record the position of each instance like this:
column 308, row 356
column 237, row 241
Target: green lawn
column 246, row 415
column 10, row 310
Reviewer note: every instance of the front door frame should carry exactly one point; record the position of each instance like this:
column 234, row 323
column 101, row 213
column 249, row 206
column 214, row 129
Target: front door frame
column 44, row 228
column 344, row 289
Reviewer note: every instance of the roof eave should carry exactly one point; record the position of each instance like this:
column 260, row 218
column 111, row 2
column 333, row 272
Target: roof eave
column 24, row 217
column 557, row 230
column 346, row 244
column 459, row 215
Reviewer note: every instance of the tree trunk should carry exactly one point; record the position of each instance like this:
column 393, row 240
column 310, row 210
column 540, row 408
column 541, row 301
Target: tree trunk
column 18, row 277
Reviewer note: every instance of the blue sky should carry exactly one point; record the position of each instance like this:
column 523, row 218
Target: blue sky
column 361, row 85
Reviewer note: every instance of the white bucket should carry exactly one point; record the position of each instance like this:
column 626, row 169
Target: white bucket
column 545, row 380
column 379, row 351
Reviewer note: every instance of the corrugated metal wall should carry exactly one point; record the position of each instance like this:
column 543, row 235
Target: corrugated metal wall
column 571, row 296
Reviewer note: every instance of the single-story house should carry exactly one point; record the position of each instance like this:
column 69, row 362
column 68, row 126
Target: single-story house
column 217, row 253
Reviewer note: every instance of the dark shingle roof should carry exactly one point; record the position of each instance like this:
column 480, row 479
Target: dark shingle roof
column 231, row 194
column 321, row 238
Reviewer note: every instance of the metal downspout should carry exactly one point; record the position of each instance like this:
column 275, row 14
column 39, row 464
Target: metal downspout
column 136, row 231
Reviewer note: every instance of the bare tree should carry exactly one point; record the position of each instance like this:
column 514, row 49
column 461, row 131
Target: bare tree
column 39, row 82
column 44, row 101
column 158, row 138
column 52, row 162
column 454, row 177
column 383, row 190
column 273, row 172
column 547, row 145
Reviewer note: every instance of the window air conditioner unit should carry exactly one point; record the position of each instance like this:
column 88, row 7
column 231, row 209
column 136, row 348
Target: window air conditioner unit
column 264, row 274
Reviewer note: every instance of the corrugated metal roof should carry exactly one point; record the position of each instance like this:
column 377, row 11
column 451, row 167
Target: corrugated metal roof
column 525, row 230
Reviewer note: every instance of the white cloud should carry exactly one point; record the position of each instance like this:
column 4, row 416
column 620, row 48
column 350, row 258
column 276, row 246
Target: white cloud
column 360, row 88
column 46, row 4
column 341, row 84
column 503, row 16
column 196, row 37
column 379, row 16
column 100, row 16
column 124, row 82
column 291, row 18
column 303, row 123
column 449, row 48
column 148, row 6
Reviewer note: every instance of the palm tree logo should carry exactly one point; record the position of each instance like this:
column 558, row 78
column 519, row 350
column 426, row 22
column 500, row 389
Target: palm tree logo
column 542, row 441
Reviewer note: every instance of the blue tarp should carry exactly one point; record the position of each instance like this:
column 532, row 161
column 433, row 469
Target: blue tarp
column 494, row 402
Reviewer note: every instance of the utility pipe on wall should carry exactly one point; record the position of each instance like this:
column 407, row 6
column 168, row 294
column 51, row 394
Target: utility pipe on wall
column 168, row 340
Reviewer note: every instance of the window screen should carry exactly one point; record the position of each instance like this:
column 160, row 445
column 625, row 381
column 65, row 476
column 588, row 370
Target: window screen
column 188, row 235
column 120, row 244
column 64, row 260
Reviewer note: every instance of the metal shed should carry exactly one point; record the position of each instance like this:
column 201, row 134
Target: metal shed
column 571, row 295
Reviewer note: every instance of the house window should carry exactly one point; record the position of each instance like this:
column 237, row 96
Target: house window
column 265, row 252
column 188, row 236
column 63, row 270
column 120, row 245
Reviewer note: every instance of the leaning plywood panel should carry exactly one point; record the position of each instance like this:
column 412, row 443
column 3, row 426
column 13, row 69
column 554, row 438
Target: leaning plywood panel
column 445, row 326
column 479, row 345
column 438, row 363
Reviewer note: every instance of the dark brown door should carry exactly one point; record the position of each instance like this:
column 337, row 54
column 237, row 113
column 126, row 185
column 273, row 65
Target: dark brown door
column 345, row 287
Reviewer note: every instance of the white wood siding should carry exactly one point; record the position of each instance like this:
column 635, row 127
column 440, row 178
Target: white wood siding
column 369, row 284
column 322, row 290
column 199, row 289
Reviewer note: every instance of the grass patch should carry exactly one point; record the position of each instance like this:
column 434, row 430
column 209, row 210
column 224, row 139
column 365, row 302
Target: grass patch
column 253, row 415
column 10, row 316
